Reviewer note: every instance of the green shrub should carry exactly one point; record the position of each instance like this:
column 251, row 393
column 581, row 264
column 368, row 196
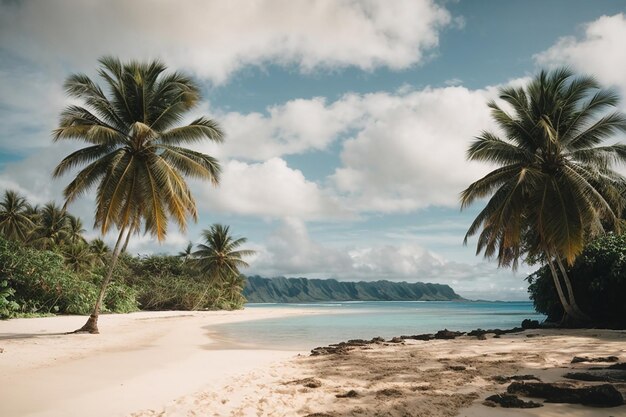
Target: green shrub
column 599, row 280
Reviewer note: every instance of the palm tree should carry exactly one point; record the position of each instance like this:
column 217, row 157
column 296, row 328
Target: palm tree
column 186, row 253
column 75, row 230
column 135, row 155
column 555, row 185
column 219, row 256
column 15, row 223
column 52, row 228
column 78, row 256
column 100, row 250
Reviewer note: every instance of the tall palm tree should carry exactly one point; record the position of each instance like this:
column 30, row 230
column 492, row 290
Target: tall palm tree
column 100, row 250
column 135, row 155
column 219, row 256
column 186, row 253
column 555, row 185
column 15, row 223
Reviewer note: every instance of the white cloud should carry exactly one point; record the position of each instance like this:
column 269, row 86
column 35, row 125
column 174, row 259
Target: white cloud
column 214, row 39
column 272, row 190
column 599, row 52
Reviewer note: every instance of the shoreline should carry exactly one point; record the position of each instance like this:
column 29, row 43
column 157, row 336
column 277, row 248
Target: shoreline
column 150, row 364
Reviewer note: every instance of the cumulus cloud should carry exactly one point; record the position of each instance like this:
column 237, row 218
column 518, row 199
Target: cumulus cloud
column 214, row 39
column 600, row 51
column 272, row 190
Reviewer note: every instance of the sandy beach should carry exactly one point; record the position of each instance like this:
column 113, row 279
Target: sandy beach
column 171, row 364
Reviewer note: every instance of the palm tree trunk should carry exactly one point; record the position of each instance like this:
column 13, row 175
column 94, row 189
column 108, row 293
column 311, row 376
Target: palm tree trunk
column 130, row 232
column 92, row 323
column 570, row 291
column 569, row 311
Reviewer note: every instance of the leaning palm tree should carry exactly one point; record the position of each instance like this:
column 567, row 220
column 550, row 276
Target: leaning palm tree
column 219, row 256
column 556, row 185
column 135, row 155
column 15, row 223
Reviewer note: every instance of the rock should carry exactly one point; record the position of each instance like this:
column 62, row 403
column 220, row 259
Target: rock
column 504, row 379
column 357, row 342
column 497, row 336
column 603, row 376
column 457, row 367
column 389, row 392
column 621, row 366
column 510, row 401
column 377, row 340
column 532, row 335
column 596, row 396
column 396, row 340
column 447, row 334
column 425, row 337
column 578, row 359
column 319, row 415
column 481, row 337
column 307, row 382
column 530, row 324
column 350, row 394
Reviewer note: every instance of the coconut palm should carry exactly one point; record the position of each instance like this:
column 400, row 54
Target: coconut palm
column 135, row 155
column 75, row 230
column 53, row 227
column 555, row 185
column 219, row 256
column 78, row 256
column 186, row 253
column 15, row 223
column 100, row 250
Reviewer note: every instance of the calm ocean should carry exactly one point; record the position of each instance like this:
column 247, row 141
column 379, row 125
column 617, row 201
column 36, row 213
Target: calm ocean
column 366, row 319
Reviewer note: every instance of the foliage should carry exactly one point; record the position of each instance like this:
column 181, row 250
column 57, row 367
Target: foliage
column 38, row 281
column 599, row 279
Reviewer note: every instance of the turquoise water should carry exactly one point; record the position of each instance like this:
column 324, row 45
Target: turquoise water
column 364, row 320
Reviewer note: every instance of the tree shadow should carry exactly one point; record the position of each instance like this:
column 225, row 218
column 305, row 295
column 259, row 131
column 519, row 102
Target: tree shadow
column 13, row 336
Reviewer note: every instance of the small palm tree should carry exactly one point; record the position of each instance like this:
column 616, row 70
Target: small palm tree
column 136, row 155
column 186, row 253
column 75, row 230
column 53, row 227
column 15, row 222
column 555, row 186
column 219, row 257
column 78, row 256
column 100, row 250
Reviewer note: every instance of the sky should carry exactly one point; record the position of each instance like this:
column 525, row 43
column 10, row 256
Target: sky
column 346, row 122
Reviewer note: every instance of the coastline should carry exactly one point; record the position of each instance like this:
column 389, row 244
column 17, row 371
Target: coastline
column 151, row 364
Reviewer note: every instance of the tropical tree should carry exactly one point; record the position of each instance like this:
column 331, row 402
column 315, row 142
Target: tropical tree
column 100, row 250
column 15, row 223
column 135, row 155
column 52, row 228
column 219, row 257
column 186, row 253
column 555, row 186
column 75, row 230
column 78, row 256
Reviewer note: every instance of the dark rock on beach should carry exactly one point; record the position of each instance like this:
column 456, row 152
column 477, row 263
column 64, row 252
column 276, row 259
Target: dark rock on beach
column 350, row 394
column 504, row 379
column 509, row 401
column 425, row 337
column 530, row 324
column 448, row 334
column 578, row 359
column 596, row 396
column 609, row 375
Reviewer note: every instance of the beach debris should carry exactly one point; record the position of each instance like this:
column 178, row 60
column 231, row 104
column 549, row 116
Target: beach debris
column 578, row 359
column 596, row 395
column 350, row 394
column 500, row 379
column 530, row 324
column 389, row 392
column 509, row 401
column 448, row 334
column 306, row 382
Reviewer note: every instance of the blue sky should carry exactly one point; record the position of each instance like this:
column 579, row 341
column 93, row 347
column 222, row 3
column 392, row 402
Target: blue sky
column 346, row 122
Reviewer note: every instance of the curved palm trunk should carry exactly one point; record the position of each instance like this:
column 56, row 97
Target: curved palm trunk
column 570, row 292
column 92, row 323
column 569, row 311
column 130, row 232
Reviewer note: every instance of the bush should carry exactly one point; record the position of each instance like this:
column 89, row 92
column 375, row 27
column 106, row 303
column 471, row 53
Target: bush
column 599, row 280
column 38, row 281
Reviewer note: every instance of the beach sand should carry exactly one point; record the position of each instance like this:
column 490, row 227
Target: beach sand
column 170, row 364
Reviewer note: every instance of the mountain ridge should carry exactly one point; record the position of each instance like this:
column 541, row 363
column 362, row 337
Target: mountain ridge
column 288, row 290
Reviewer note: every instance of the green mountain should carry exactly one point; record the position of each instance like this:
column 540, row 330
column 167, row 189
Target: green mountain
column 290, row 290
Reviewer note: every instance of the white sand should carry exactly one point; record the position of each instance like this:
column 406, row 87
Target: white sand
column 167, row 364
column 140, row 360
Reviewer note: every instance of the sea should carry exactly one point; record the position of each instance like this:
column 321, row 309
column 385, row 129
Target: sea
column 341, row 321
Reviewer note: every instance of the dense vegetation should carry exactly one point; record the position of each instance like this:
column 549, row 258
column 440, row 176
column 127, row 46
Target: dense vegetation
column 555, row 186
column 287, row 290
column 47, row 266
column 599, row 279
